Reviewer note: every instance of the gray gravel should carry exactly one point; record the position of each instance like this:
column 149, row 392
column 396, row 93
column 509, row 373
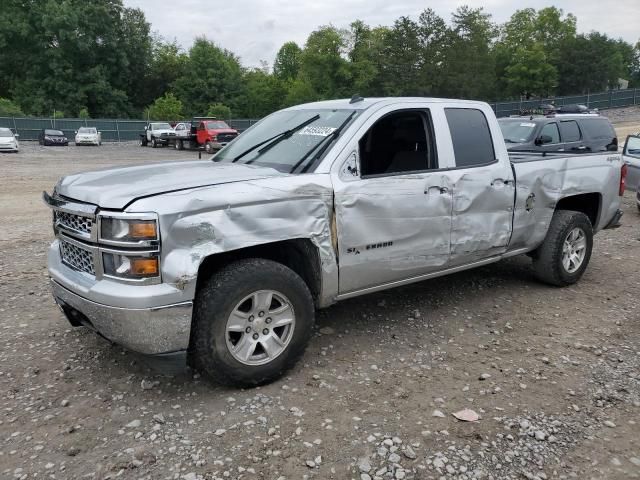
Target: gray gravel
column 553, row 373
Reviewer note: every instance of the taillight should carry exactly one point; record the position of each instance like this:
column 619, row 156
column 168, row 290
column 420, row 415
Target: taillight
column 623, row 179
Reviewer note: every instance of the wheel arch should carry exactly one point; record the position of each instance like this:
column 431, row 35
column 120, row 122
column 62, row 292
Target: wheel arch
column 588, row 203
column 300, row 255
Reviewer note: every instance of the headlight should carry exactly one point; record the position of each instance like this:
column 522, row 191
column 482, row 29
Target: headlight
column 130, row 266
column 129, row 230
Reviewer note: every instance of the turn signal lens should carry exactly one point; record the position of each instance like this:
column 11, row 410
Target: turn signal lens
column 144, row 267
column 143, row 230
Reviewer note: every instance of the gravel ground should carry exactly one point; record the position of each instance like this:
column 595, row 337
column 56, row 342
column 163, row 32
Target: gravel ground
column 554, row 374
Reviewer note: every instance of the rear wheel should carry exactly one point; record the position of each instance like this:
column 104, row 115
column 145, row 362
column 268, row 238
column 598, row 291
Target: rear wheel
column 252, row 321
column 179, row 145
column 143, row 141
column 564, row 255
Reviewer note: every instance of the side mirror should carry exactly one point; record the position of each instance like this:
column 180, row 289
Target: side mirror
column 76, row 132
column 146, row 127
column 17, row 135
column 543, row 139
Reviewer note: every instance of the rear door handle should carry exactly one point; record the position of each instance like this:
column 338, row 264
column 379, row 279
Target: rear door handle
column 502, row 181
column 436, row 189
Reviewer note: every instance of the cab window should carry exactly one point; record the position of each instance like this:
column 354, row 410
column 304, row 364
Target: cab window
column 471, row 137
column 398, row 143
column 570, row 131
column 551, row 130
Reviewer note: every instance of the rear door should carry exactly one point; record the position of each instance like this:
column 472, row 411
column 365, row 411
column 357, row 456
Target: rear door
column 631, row 156
column 483, row 188
column 571, row 136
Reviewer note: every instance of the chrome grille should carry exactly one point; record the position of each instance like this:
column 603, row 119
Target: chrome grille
column 226, row 137
column 74, row 222
column 76, row 257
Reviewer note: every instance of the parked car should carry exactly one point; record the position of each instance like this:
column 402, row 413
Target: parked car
column 88, row 136
column 8, row 141
column 559, row 133
column 222, row 262
column 157, row 134
column 209, row 133
column 50, row 137
column 631, row 157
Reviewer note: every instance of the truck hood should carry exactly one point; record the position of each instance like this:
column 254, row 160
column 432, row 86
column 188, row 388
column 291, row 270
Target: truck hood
column 117, row 187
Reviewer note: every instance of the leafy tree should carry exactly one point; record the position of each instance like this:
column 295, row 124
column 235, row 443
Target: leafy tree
column 287, row 63
column 264, row 94
column 84, row 113
column 468, row 68
column 590, row 63
column 322, row 65
column 167, row 107
column 209, row 75
column 530, row 74
column 401, row 70
column 219, row 110
column 9, row 108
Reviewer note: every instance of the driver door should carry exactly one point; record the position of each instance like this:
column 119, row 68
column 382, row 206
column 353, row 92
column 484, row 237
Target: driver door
column 392, row 202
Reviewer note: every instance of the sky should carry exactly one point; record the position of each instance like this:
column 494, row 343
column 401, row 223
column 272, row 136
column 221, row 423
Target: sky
column 255, row 29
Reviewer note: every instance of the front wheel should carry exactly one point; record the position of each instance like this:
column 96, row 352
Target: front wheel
column 252, row 322
column 154, row 143
column 564, row 255
column 208, row 147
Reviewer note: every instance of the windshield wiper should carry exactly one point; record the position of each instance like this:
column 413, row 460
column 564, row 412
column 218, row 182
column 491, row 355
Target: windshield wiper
column 332, row 136
column 273, row 141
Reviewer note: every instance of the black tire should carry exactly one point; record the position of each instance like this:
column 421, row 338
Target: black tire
column 154, row 142
column 179, row 145
column 219, row 296
column 547, row 259
column 208, row 147
column 143, row 141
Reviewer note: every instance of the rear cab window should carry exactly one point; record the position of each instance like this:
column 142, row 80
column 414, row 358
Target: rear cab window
column 570, row 131
column 471, row 137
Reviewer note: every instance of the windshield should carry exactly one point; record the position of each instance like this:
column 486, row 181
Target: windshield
column 517, row 131
column 87, row 130
column 6, row 133
column 160, row 126
column 216, row 125
column 285, row 154
column 53, row 132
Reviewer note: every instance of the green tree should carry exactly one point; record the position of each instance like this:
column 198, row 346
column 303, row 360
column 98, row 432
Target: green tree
column 209, row 75
column 590, row 63
column 167, row 107
column 530, row 74
column 219, row 110
column 322, row 65
column 287, row 63
column 264, row 94
column 468, row 68
column 9, row 108
column 84, row 113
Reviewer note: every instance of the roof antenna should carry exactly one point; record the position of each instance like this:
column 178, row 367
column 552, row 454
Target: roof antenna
column 356, row 98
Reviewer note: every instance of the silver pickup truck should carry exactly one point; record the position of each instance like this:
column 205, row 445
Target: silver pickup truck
column 222, row 263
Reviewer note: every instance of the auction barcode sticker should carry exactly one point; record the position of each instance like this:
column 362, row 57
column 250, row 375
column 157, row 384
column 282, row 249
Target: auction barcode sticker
column 317, row 131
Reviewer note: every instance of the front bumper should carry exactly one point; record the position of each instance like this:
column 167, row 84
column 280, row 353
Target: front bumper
column 151, row 331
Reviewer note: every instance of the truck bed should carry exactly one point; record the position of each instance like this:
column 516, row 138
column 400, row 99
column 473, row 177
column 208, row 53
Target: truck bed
column 543, row 179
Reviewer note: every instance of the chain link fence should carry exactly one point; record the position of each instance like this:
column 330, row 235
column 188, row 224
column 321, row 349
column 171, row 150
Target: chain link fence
column 112, row 130
column 130, row 130
column 601, row 101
